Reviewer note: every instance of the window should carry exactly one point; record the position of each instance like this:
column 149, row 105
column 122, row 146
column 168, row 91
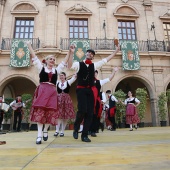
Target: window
column 78, row 28
column 24, row 28
column 126, row 30
column 166, row 27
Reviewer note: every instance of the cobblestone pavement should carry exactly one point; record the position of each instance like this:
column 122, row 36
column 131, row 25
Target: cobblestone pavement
column 142, row 149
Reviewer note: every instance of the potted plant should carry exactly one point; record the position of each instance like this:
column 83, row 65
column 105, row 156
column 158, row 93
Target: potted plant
column 8, row 114
column 141, row 95
column 27, row 99
column 120, row 109
column 162, row 107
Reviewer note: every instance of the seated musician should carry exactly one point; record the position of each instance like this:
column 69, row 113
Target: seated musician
column 17, row 106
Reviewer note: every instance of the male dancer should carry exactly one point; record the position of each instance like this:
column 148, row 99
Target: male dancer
column 86, row 91
column 99, row 103
column 1, row 112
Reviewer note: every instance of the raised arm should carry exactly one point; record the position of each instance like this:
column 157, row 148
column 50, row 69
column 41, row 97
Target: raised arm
column 113, row 54
column 115, row 69
column 70, row 56
column 31, row 50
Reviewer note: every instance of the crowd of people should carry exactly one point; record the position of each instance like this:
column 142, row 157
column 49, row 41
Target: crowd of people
column 52, row 104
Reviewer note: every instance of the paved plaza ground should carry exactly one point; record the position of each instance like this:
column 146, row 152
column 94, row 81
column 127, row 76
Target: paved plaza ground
column 142, row 149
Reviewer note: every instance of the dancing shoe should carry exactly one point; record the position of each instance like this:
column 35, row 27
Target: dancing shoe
column 61, row 134
column 85, row 139
column 93, row 134
column 131, row 130
column 38, row 141
column 136, row 127
column 56, row 134
column 45, row 138
column 75, row 135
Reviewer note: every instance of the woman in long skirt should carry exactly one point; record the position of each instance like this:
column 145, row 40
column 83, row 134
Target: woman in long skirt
column 44, row 106
column 132, row 117
column 65, row 109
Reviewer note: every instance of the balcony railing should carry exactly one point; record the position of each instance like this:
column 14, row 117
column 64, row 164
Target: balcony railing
column 108, row 44
column 7, row 42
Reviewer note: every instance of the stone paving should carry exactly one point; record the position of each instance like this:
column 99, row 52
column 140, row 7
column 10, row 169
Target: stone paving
column 142, row 149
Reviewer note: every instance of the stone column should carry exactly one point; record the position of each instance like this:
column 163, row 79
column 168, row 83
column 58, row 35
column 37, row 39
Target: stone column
column 103, row 16
column 51, row 23
column 2, row 5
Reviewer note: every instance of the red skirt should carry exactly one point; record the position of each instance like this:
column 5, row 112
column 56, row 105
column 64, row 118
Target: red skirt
column 65, row 106
column 44, row 105
column 131, row 115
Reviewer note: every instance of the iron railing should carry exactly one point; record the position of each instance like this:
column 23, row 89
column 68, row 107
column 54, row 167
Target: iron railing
column 108, row 44
column 7, row 42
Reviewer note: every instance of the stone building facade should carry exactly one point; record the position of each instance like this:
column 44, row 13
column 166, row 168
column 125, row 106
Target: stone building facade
column 48, row 22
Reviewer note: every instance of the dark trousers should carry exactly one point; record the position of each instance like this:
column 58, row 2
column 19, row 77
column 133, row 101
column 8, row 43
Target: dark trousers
column 112, row 120
column 85, row 111
column 1, row 118
column 17, row 115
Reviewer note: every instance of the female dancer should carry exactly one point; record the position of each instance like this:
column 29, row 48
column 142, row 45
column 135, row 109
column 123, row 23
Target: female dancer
column 131, row 112
column 44, row 104
column 65, row 109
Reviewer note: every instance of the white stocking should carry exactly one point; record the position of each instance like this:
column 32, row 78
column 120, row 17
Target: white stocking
column 40, row 126
column 63, row 125
column 135, row 125
column 46, row 126
column 58, row 125
column 81, row 128
column 131, row 126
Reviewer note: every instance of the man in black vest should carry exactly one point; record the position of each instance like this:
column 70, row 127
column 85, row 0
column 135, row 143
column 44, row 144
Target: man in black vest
column 112, row 109
column 1, row 111
column 86, row 93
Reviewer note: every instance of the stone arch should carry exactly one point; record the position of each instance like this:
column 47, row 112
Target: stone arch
column 14, row 77
column 126, row 10
column 167, row 82
column 24, row 7
column 142, row 79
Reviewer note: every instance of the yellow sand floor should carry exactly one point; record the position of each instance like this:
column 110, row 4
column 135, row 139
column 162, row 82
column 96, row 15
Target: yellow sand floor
column 142, row 149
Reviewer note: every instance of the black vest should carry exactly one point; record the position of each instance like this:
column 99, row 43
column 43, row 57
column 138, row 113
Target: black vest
column 85, row 75
column 101, row 97
column 133, row 101
column 44, row 77
column 66, row 90
column 98, row 86
column 111, row 103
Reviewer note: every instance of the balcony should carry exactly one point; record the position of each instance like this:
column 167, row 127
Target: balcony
column 108, row 44
column 7, row 42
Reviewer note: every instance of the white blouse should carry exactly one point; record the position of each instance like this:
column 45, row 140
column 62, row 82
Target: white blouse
column 64, row 85
column 130, row 99
column 38, row 64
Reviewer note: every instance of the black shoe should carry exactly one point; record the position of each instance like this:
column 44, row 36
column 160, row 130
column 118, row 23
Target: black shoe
column 38, row 142
column 89, row 132
column 56, row 134
column 97, row 131
column 75, row 135
column 93, row 134
column 136, row 127
column 85, row 139
column 45, row 138
column 131, row 130
column 61, row 134
column 18, row 130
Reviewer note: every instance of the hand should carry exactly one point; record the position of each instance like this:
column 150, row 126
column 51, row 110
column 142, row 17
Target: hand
column 72, row 48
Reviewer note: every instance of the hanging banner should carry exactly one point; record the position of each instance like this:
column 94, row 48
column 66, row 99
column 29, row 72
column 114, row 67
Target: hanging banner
column 130, row 55
column 81, row 47
column 20, row 55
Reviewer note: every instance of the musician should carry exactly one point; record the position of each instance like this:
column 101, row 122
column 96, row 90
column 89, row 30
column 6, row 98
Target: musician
column 1, row 111
column 17, row 106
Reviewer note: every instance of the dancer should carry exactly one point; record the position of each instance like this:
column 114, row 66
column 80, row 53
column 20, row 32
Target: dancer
column 111, row 111
column 65, row 109
column 17, row 106
column 1, row 112
column 85, row 91
column 44, row 104
column 132, row 117
column 99, row 103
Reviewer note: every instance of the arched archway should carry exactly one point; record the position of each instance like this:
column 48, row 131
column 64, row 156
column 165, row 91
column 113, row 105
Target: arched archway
column 131, row 84
column 17, row 84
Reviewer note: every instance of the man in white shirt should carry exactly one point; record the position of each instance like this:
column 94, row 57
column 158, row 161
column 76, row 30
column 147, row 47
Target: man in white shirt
column 85, row 90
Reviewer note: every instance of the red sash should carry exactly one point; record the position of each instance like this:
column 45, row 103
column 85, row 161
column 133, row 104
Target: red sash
column 112, row 111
